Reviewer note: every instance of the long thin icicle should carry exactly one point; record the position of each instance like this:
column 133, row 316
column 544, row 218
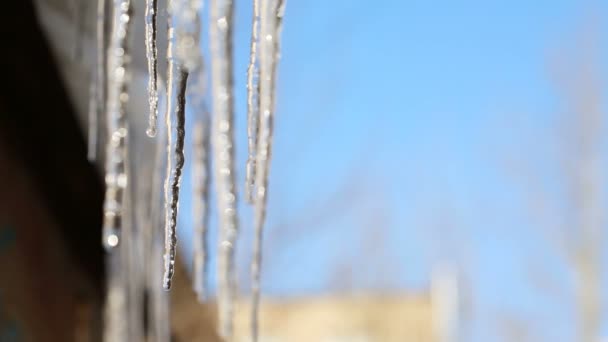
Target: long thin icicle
column 158, row 309
column 130, row 248
column 271, row 24
column 115, row 307
column 253, row 105
column 160, row 318
column 187, row 32
column 93, row 125
column 118, row 95
column 175, row 116
column 201, row 179
column 220, row 30
column 151, row 56
column 201, row 205
column 79, row 10
column 98, row 84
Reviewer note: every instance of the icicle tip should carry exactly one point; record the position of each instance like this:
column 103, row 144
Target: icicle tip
column 151, row 132
column 111, row 241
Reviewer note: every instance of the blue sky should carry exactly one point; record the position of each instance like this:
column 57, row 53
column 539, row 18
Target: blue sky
column 397, row 124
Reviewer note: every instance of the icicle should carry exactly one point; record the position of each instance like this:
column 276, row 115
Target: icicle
column 187, row 31
column 201, row 205
column 98, row 76
column 118, row 306
column 79, row 9
column 175, row 118
column 151, row 55
column 271, row 24
column 253, row 110
column 93, row 120
column 158, row 309
column 221, row 12
column 124, row 304
column 144, row 238
column 131, row 249
column 115, row 313
column 118, row 78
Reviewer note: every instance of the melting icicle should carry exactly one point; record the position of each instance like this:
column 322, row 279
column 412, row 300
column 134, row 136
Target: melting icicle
column 175, row 118
column 271, row 24
column 253, row 110
column 118, row 77
column 221, row 12
column 201, row 205
column 187, row 32
column 151, row 55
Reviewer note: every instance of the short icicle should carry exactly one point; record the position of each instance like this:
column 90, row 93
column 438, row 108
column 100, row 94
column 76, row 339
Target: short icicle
column 118, row 95
column 271, row 22
column 220, row 30
column 151, row 56
column 175, row 117
column 253, row 105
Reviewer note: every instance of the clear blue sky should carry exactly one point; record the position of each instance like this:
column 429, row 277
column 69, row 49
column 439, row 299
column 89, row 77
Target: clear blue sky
column 396, row 125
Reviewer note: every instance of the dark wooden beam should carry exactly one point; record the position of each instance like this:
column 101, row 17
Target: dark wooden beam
column 38, row 126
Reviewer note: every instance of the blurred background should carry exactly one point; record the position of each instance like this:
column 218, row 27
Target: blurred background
column 438, row 174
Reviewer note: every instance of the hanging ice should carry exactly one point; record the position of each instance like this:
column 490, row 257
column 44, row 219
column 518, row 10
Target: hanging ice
column 115, row 312
column 187, row 30
column 175, row 117
column 160, row 310
column 118, row 307
column 221, row 12
column 187, row 33
column 124, row 301
column 118, row 78
column 132, row 272
column 201, row 180
column 183, row 29
column 79, row 9
column 271, row 23
column 201, row 205
column 98, row 85
column 93, row 119
column 253, row 105
column 151, row 56
column 158, row 327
